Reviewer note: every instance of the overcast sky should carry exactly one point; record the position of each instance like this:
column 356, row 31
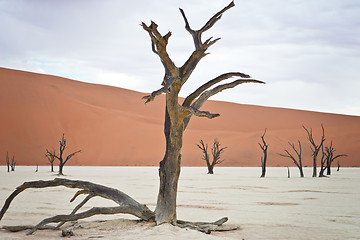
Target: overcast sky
column 307, row 51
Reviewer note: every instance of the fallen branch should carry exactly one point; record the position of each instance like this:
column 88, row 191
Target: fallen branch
column 207, row 227
column 126, row 205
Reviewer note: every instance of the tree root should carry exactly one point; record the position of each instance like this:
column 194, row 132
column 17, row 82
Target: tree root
column 126, row 205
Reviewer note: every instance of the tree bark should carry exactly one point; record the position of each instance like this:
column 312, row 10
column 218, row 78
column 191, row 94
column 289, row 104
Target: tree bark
column 169, row 171
column 61, row 166
column 314, row 165
column 301, row 172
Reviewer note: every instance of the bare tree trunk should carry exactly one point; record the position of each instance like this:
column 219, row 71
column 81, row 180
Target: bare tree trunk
column 338, row 166
column 7, row 161
column 314, row 166
column 328, row 170
column 61, row 166
column 301, row 172
column 13, row 164
column 315, row 147
column 288, row 170
column 169, row 171
column 263, row 165
column 264, row 148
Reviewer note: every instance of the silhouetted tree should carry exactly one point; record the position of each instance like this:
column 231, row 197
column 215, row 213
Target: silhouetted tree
column 288, row 170
column 298, row 161
column 10, row 165
column 216, row 151
column 264, row 148
column 51, row 158
column 7, row 161
column 13, row 163
column 315, row 148
column 323, row 161
column 61, row 158
column 330, row 152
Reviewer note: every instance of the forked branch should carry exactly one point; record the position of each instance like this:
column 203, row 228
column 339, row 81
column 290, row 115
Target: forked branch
column 126, row 203
column 199, row 113
column 197, row 104
column 200, row 47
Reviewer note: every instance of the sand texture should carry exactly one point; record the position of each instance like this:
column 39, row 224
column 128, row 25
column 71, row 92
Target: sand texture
column 112, row 126
column 275, row 207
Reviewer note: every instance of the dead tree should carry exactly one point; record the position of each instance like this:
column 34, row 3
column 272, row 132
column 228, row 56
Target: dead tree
column 7, row 161
column 330, row 152
column 51, row 158
column 13, row 163
column 177, row 118
column 288, row 171
column 264, row 148
column 10, row 165
column 338, row 166
column 61, row 158
column 216, row 151
column 204, row 148
column 298, row 161
column 324, row 159
column 315, row 148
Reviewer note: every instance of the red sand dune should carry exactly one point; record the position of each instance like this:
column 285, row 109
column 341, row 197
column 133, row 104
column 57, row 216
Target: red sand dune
column 112, row 126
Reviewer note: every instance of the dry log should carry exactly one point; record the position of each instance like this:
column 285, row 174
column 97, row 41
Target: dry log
column 207, row 227
column 126, row 203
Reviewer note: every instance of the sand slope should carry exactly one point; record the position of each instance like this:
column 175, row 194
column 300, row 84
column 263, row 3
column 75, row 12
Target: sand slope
column 112, row 126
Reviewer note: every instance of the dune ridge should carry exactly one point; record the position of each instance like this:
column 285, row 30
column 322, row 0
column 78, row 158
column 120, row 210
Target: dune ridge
column 112, row 126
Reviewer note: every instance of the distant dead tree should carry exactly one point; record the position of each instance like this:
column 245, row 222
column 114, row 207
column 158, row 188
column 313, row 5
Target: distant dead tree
column 51, row 158
column 330, row 153
column 288, row 170
column 10, row 166
column 264, row 148
column 61, row 159
column 324, row 159
column 7, row 161
column 315, row 148
column 216, row 151
column 13, row 163
column 298, row 161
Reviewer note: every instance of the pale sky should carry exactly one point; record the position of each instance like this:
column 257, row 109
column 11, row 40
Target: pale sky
column 307, row 51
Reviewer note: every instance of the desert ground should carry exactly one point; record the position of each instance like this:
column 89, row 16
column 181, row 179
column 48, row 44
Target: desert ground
column 275, row 207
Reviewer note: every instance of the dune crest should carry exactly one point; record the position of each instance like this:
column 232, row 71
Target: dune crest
column 112, row 126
